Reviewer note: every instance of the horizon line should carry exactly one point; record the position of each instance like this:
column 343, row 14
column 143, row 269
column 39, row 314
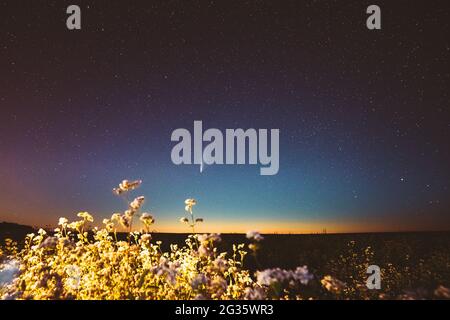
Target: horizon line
column 47, row 228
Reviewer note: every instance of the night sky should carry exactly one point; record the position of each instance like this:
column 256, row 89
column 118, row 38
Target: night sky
column 363, row 115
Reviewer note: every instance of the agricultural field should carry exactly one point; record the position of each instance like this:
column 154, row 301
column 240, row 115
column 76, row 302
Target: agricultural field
column 227, row 266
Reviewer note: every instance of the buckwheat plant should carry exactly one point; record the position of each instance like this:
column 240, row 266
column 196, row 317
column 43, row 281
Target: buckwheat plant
column 191, row 221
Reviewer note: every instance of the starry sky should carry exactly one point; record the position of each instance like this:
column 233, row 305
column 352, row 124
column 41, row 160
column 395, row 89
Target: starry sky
column 363, row 115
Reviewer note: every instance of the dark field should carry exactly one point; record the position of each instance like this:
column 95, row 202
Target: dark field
column 413, row 264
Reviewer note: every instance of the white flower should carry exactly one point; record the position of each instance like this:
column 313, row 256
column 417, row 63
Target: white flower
column 125, row 221
column 184, row 220
column 86, row 216
column 254, row 235
column 166, row 269
column 74, row 276
column 256, row 293
column 198, row 280
column 129, row 185
column 115, row 217
column 109, row 225
column 8, row 271
column 215, row 237
column 49, row 242
column 220, row 264
column 302, row 274
column 190, row 202
column 126, row 185
column 130, row 213
column 203, row 250
column 205, row 238
column 270, row 276
column 146, row 237
column 137, row 203
column 147, row 218
column 63, row 221
column 267, row 277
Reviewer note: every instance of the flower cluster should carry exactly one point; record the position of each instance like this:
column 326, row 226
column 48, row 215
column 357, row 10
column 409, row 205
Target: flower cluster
column 271, row 276
column 191, row 221
column 254, row 235
column 125, row 219
column 126, row 186
column 287, row 284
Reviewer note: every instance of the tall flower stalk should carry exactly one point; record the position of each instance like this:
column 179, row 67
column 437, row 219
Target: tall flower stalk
column 191, row 221
column 126, row 218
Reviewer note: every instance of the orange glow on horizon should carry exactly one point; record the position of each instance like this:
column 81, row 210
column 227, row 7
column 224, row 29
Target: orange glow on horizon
column 264, row 226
